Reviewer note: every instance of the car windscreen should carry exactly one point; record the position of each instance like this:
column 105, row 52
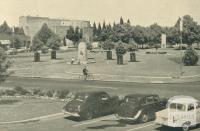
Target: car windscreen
column 177, row 106
column 130, row 100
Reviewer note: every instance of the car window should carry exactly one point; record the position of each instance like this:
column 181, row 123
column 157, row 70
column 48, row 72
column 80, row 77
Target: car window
column 131, row 99
column 179, row 107
column 156, row 99
column 190, row 107
column 149, row 99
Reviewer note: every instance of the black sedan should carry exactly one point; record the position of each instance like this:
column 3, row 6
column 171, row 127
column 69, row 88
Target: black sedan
column 140, row 107
column 88, row 105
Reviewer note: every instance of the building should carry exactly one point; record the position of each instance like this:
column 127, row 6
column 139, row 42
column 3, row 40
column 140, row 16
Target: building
column 32, row 25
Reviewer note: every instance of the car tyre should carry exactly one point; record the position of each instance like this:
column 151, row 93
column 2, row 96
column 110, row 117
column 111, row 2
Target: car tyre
column 186, row 127
column 144, row 118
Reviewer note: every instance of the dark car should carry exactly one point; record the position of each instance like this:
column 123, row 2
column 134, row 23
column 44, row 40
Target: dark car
column 88, row 105
column 140, row 107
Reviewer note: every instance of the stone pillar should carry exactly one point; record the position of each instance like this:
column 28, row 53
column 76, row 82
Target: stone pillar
column 82, row 53
column 163, row 41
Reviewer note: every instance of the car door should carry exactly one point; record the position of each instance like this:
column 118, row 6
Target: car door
column 105, row 103
column 150, row 105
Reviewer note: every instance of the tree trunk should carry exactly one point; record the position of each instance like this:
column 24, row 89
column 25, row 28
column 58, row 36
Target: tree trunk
column 53, row 54
column 132, row 57
column 36, row 57
column 120, row 59
column 109, row 55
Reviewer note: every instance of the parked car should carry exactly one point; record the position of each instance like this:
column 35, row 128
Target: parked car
column 88, row 105
column 181, row 111
column 140, row 107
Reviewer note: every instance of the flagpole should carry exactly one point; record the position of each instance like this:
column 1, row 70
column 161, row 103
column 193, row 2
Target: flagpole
column 181, row 42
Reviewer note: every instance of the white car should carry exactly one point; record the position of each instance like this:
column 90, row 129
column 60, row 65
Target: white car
column 181, row 111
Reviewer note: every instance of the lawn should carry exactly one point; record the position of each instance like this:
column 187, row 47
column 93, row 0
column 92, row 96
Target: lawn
column 146, row 65
column 28, row 108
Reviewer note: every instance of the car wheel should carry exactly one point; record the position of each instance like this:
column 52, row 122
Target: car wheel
column 186, row 127
column 144, row 118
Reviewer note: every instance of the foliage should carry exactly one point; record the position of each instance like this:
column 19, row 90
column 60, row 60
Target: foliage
column 50, row 93
column 36, row 91
column 190, row 57
column 4, row 65
column 120, row 49
column 44, row 33
column 54, row 42
column 19, row 31
column 37, row 44
column 74, row 34
column 131, row 47
column 4, row 28
column 108, row 45
column 62, row 94
column 10, row 92
column 20, row 90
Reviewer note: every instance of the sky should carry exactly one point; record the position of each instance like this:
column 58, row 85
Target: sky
column 140, row 12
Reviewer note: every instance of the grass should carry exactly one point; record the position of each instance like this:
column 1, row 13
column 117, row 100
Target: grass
column 29, row 108
column 148, row 65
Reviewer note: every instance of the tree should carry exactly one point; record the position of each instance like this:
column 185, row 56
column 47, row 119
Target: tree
column 44, row 33
column 190, row 57
column 17, row 42
column 132, row 47
column 4, row 28
column 19, row 31
column 128, row 21
column 120, row 51
column 74, row 35
column 121, row 21
column 37, row 44
column 94, row 29
column 54, row 42
column 108, row 45
column 4, row 65
column 104, row 25
column 99, row 29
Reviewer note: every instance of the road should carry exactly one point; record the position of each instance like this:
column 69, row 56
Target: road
column 106, row 123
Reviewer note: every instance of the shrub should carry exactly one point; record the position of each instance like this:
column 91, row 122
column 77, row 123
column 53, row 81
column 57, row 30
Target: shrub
column 36, row 91
column 190, row 57
column 50, row 93
column 2, row 93
column 20, row 90
column 62, row 94
column 10, row 92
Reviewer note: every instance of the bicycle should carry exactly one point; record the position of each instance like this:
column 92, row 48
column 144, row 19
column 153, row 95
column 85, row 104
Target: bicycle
column 90, row 76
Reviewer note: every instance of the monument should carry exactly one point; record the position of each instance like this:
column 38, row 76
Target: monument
column 82, row 53
column 163, row 41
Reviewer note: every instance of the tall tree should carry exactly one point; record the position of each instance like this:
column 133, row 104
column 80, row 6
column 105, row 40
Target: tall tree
column 121, row 21
column 99, row 29
column 128, row 21
column 44, row 33
column 4, row 28
column 19, row 31
column 94, row 29
column 104, row 25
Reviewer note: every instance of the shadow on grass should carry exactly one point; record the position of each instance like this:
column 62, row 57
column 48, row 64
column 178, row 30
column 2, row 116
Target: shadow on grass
column 133, row 61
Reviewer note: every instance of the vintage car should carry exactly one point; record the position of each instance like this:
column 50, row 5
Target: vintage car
column 88, row 105
column 181, row 111
column 140, row 107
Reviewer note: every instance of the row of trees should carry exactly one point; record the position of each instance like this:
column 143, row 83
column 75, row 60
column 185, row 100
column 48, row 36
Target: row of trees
column 16, row 35
column 148, row 35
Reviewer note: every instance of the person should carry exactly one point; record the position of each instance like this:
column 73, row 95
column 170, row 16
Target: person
column 85, row 73
column 72, row 61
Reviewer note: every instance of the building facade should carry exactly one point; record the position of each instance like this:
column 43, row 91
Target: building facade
column 32, row 25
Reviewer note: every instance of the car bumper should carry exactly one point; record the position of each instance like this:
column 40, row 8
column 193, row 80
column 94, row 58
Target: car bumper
column 70, row 113
column 135, row 118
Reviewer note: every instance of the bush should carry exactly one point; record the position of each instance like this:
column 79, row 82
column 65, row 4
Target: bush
column 50, row 93
column 190, row 57
column 2, row 93
column 10, row 92
column 20, row 90
column 62, row 94
column 36, row 91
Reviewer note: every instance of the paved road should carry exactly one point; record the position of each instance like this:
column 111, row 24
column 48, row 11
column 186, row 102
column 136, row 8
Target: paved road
column 107, row 123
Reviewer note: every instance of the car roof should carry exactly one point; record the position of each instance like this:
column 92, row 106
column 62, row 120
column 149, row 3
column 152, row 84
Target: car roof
column 140, row 95
column 183, row 100
column 91, row 93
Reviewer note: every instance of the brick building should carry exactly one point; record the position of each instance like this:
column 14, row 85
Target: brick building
column 32, row 25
